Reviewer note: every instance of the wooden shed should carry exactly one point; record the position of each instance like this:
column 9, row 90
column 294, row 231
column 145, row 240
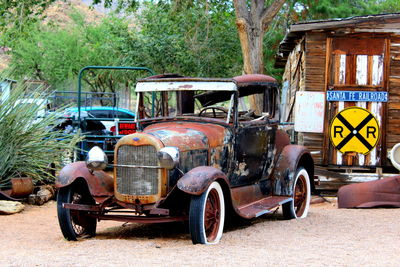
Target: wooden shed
column 331, row 65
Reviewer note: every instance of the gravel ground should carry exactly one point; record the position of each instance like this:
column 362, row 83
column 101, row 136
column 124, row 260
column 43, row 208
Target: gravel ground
column 328, row 236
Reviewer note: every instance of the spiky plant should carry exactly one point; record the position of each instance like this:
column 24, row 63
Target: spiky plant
column 29, row 144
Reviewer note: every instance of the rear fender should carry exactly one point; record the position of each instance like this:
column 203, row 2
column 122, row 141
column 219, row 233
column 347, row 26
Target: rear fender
column 100, row 184
column 292, row 157
column 197, row 180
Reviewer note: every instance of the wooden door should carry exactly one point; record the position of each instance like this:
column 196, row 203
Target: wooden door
column 355, row 65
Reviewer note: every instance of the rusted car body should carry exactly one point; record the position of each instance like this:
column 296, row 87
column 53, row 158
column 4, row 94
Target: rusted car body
column 373, row 194
column 198, row 153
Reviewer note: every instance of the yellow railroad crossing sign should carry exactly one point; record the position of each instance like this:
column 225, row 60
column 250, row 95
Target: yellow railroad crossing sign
column 354, row 129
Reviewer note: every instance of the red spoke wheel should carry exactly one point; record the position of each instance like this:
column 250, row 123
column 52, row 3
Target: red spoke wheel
column 299, row 206
column 73, row 223
column 207, row 215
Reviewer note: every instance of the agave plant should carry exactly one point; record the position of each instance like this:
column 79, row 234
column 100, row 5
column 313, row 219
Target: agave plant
column 29, row 143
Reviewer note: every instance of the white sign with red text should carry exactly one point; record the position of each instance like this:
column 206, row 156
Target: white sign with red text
column 309, row 112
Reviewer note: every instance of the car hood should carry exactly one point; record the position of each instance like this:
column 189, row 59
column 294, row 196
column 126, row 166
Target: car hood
column 189, row 135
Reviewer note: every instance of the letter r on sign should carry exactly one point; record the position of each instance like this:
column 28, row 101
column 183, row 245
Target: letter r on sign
column 371, row 130
column 337, row 130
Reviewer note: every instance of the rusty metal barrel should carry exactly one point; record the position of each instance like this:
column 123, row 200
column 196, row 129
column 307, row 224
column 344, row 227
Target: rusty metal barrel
column 21, row 187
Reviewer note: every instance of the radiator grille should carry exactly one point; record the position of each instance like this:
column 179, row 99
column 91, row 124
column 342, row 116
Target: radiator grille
column 137, row 181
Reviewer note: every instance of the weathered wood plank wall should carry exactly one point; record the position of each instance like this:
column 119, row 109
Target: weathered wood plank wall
column 314, row 73
column 393, row 122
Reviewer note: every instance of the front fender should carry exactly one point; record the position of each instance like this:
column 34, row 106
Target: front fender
column 100, row 184
column 292, row 157
column 197, row 180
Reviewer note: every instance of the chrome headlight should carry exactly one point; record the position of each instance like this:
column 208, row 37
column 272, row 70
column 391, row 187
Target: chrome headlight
column 96, row 159
column 168, row 157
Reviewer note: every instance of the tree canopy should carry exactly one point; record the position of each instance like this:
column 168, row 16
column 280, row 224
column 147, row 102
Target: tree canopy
column 196, row 38
column 17, row 16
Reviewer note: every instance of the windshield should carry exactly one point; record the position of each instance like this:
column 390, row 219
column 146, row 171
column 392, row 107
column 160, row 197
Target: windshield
column 200, row 103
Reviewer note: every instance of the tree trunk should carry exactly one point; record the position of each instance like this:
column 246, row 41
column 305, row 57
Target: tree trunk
column 252, row 22
column 251, row 40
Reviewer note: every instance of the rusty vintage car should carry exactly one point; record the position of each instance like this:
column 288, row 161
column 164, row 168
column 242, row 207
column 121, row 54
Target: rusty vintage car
column 199, row 155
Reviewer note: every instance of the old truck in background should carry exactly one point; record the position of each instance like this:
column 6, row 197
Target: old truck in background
column 198, row 154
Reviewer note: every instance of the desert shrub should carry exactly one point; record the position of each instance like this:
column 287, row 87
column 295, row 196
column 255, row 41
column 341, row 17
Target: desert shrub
column 29, row 144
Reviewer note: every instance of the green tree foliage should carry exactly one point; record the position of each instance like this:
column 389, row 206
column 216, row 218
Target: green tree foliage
column 325, row 9
column 17, row 16
column 57, row 54
column 196, row 39
column 200, row 42
column 119, row 5
column 183, row 11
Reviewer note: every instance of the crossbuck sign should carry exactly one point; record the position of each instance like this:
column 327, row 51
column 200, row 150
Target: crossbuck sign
column 354, row 129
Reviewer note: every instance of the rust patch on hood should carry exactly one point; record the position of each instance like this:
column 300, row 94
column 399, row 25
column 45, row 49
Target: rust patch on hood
column 188, row 135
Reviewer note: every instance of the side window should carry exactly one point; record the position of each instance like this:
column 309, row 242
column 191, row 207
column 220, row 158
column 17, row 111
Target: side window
column 123, row 115
column 100, row 113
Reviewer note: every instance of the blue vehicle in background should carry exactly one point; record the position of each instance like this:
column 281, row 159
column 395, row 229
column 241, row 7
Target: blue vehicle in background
column 108, row 116
column 101, row 126
column 97, row 116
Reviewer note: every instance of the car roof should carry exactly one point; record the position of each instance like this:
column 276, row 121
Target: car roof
column 175, row 82
column 185, row 84
column 75, row 109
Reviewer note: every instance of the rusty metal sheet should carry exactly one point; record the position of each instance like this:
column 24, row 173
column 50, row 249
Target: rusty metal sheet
column 286, row 165
column 254, row 83
column 21, row 187
column 141, row 219
column 262, row 206
column 282, row 139
column 188, row 135
column 97, row 212
column 380, row 193
column 82, row 207
column 254, row 78
column 196, row 181
column 243, row 195
column 100, row 183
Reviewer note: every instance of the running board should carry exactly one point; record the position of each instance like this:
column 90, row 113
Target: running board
column 262, row 206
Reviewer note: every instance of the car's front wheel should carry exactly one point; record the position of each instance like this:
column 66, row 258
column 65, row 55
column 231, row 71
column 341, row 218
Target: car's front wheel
column 73, row 223
column 299, row 206
column 207, row 215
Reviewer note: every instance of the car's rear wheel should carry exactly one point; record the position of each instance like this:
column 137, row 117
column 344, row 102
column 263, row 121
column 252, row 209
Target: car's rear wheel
column 299, row 206
column 207, row 215
column 75, row 224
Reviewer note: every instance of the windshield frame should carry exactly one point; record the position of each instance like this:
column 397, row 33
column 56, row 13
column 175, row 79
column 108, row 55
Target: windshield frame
column 184, row 84
column 141, row 116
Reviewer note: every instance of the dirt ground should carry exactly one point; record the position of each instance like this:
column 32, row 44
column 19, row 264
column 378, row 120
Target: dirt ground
column 328, row 236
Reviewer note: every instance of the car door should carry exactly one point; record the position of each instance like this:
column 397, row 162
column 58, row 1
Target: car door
column 252, row 143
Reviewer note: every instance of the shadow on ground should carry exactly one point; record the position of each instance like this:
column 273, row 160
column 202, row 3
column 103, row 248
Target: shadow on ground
column 177, row 230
